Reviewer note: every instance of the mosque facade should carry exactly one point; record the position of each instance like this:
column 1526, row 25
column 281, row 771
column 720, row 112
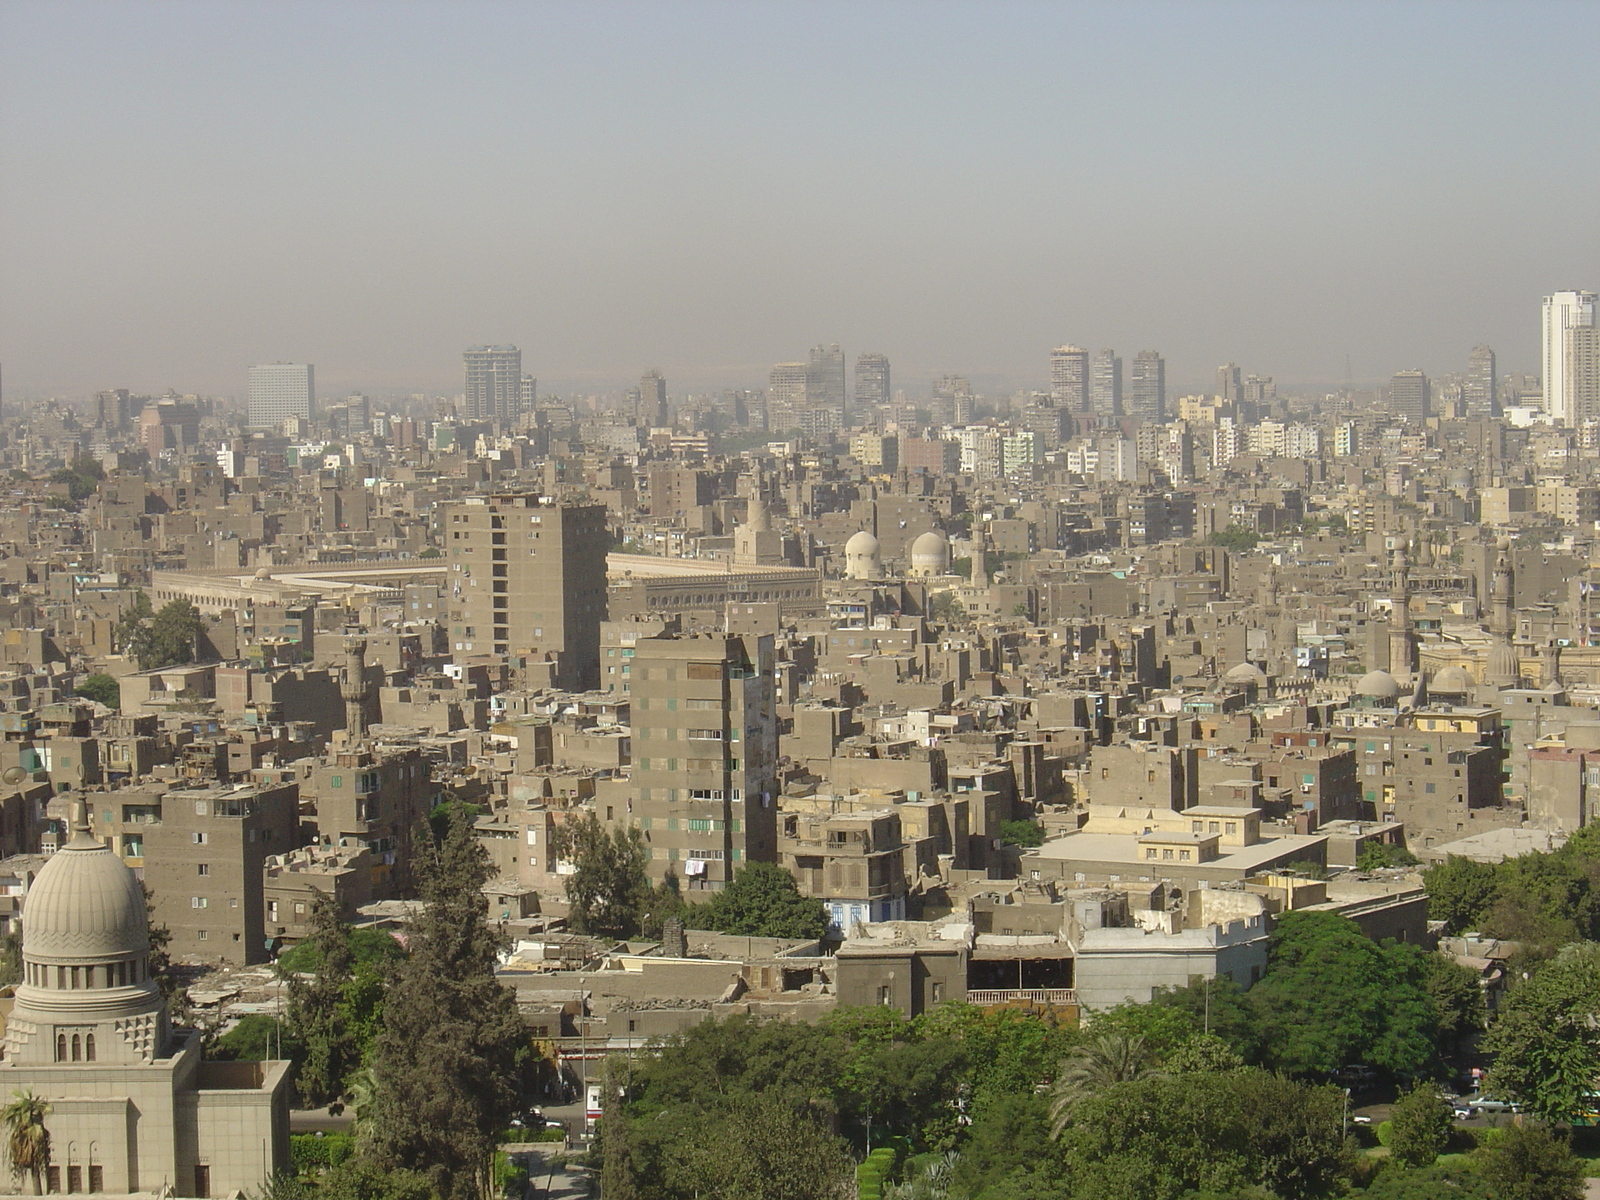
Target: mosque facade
column 134, row 1106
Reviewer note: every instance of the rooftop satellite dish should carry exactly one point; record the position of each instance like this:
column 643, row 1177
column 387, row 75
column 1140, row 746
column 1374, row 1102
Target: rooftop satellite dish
column 13, row 775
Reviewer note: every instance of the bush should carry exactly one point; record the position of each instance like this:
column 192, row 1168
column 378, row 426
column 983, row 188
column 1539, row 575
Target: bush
column 314, row 1153
column 871, row 1173
column 1022, row 833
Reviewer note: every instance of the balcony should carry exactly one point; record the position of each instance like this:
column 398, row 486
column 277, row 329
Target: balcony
column 1040, row 996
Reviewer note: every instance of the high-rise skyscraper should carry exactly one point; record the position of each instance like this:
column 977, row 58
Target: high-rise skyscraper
column 1230, row 385
column 528, row 395
column 279, row 391
column 825, row 381
column 1147, row 387
column 1105, row 389
column 1562, row 311
column 653, row 400
column 1583, row 373
column 1408, row 396
column 494, row 383
column 527, row 576
column 1478, row 389
column 1069, row 378
column 872, row 382
column 786, row 395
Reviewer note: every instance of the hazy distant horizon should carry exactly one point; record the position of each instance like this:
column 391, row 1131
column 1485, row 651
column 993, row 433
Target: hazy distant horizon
column 709, row 188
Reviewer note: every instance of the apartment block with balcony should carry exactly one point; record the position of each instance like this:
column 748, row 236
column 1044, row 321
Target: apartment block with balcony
column 855, row 863
column 705, row 748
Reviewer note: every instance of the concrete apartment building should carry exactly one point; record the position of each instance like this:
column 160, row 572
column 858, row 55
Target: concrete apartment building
column 528, row 576
column 373, row 797
column 854, row 862
column 705, row 748
column 201, row 851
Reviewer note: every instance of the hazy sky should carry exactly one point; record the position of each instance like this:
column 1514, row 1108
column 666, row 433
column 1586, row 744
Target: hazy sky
column 186, row 188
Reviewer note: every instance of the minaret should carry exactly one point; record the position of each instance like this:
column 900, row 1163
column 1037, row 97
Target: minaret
column 1402, row 645
column 354, row 688
column 1501, row 590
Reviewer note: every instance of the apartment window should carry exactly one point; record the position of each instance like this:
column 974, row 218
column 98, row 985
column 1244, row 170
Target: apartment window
column 203, row 935
column 1166, row 854
column 1150, row 852
column 1184, row 855
column 198, row 902
column 202, row 869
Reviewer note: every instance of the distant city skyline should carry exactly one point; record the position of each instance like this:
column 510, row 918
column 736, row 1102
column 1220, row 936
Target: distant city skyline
column 1298, row 211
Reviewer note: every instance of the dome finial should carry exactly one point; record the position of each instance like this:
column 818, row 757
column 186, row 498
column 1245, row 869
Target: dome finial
column 82, row 834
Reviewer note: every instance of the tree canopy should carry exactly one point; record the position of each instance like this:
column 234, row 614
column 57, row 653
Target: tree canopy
column 448, row 1059
column 763, row 901
column 1546, row 1037
column 608, row 889
column 102, row 689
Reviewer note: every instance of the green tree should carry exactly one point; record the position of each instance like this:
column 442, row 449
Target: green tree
column 316, row 1015
column 764, row 1150
column 368, row 947
column 133, row 626
column 1159, row 1137
column 608, row 889
column 1218, row 1006
column 1420, row 1126
column 763, row 901
column 1546, row 1037
column 1203, row 1052
column 1022, row 833
column 1527, row 1162
column 1459, row 892
column 28, row 1140
column 1457, row 997
column 160, row 960
column 1008, row 1136
column 364, row 1179
column 1332, row 996
column 102, row 689
column 1377, row 856
column 944, row 606
column 174, row 631
column 1104, row 1058
column 1454, row 1182
column 448, row 1059
column 10, row 959
column 256, row 1038
column 1237, row 538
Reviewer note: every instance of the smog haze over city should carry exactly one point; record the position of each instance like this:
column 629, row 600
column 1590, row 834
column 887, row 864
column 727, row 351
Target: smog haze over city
column 1323, row 191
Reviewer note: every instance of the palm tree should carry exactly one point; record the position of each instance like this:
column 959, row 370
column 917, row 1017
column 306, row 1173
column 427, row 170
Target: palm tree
column 1101, row 1060
column 30, row 1140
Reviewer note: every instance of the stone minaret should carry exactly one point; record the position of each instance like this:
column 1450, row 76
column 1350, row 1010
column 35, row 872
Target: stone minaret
column 1402, row 644
column 354, row 688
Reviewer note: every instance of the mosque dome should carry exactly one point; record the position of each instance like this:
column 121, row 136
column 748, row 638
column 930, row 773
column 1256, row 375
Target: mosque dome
column 1452, row 681
column 1378, row 685
column 930, row 554
column 85, row 905
column 1246, row 673
column 861, row 556
column 1504, row 667
column 263, row 573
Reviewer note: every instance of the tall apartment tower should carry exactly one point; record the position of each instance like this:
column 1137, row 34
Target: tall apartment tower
column 786, row 395
column 279, row 391
column 1478, row 389
column 1408, row 396
column 1147, row 387
column 527, row 576
column 1069, row 378
column 1583, row 373
column 653, row 400
column 1230, row 383
column 825, row 382
column 1105, row 387
column 872, row 382
column 705, row 752
column 1563, row 311
column 528, row 394
column 494, row 383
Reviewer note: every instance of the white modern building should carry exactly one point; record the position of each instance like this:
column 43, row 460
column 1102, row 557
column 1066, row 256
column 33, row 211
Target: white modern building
column 279, row 391
column 1563, row 311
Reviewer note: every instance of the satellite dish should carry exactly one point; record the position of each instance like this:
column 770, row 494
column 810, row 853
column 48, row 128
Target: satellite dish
column 13, row 775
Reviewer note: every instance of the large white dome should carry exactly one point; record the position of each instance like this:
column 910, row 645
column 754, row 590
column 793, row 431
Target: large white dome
column 1378, row 685
column 930, row 554
column 85, row 905
column 861, row 559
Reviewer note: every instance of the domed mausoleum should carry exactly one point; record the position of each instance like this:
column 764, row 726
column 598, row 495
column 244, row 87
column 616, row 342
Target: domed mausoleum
column 133, row 1109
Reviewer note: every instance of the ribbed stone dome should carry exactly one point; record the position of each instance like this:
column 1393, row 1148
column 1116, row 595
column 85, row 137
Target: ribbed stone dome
column 1246, row 673
column 85, row 904
column 861, row 542
column 1451, row 681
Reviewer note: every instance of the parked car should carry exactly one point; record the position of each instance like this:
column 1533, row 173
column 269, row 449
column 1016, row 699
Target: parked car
column 1491, row 1104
